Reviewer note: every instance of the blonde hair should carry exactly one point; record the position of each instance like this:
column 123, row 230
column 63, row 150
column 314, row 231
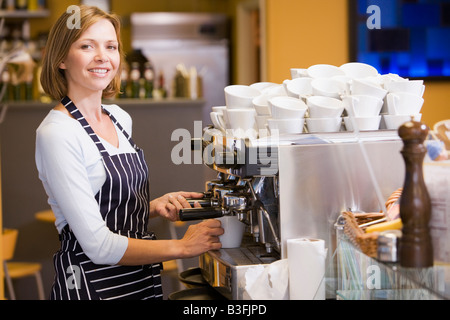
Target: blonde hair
column 61, row 38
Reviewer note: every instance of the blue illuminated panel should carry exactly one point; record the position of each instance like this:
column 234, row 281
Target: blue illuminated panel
column 413, row 39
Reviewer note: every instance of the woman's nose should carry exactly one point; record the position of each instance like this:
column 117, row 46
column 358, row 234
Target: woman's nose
column 101, row 56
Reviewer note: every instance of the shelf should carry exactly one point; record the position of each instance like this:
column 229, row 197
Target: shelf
column 120, row 102
column 24, row 14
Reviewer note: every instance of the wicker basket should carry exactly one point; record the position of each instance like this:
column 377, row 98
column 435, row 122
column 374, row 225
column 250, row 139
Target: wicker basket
column 366, row 242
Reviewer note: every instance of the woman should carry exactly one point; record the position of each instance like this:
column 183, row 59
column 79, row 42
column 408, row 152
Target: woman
column 95, row 176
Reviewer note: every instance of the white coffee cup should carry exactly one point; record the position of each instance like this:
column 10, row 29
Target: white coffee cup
column 324, row 107
column 263, row 85
column 362, row 106
column 415, row 87
column 278, row 90
column 233, row 231
column 345, row 81
column 287, row 107
column 391, row 77
column 328, row 87
column 323, row 124
column 367, row 88
column 324, row 71
column 285, row 126
column 241, row 118
column 240, row 96
column 298, row 73
column 394, row 121
column 358, row 70
column 218, row 108
column 299, row 87
column 363, row 123
column 403, row 103
column 261, row 104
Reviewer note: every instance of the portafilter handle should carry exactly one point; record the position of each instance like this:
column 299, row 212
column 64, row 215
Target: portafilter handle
column 189, row 214
column 205, row 201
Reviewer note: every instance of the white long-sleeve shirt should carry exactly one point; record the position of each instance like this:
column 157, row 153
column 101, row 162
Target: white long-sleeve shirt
column 72, row 172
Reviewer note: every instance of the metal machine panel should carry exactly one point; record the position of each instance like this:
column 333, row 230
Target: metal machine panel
column 318, row 182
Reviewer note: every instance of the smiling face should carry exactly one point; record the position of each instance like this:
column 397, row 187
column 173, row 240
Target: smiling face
column 93, row 60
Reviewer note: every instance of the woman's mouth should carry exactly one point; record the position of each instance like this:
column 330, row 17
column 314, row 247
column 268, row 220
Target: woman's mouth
column 99, row 71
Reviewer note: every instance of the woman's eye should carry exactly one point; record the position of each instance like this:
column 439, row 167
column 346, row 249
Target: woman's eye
column 86, row 46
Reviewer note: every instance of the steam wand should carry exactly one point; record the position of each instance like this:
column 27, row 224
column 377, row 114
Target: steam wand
column 266, row 214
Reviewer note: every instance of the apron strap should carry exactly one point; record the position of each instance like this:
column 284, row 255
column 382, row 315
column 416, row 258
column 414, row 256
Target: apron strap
column 73, row 110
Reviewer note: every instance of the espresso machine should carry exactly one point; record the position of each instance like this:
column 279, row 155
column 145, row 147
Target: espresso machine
column 247, row 187
column 288, row 187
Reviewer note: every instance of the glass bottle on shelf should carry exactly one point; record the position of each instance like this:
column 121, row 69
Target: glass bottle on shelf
column 10, row 5
column 5, row 85
column 33, row 5
column 124, row 82
column 135, row 76
column 149, row 77
column 162, row 86
column 21, row 5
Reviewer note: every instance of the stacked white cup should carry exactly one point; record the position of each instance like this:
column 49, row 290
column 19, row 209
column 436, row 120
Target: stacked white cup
column 263, row 107
column 364, row 97
column 328, row 84
column 403, row 101
column 287, row 115
column 237, row 117
column 325, row 98
column 325, row 114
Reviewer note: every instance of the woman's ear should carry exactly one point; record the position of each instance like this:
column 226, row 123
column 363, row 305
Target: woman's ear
column 62, row 65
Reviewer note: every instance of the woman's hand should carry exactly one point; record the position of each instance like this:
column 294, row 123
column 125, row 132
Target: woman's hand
column 170, row 204
column 202, row 237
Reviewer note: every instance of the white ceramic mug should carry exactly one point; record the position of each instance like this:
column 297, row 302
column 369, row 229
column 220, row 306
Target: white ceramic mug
column 367, row 88
column 345, row 82
column 240, row 96
column 328, row 87
column 323, row 124
column 287, row 108
column 394, row 121
column 233, row 231
column 241, row 119
column 390, row 77
column 324, row 71
column 324, row 107
column 404, row 103
column 261, row 104
column 363, row 123
column 362, row 106
column 286, row 126
column 415, row 87
column 263, row 85
column 357, row 70
column 219, row 109
column 277, row 90
column 298, row 73
column 299, row 88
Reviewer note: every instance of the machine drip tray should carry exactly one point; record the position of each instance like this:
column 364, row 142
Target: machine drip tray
column 249, row 255
column 225, row 269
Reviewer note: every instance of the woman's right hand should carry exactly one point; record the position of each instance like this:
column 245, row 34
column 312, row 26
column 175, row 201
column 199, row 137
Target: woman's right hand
column 202, row 237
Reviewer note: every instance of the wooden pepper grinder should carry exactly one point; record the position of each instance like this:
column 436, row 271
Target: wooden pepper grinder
column 415, row 248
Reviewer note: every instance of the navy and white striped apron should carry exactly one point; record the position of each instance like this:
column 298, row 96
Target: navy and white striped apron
column 124, row 205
